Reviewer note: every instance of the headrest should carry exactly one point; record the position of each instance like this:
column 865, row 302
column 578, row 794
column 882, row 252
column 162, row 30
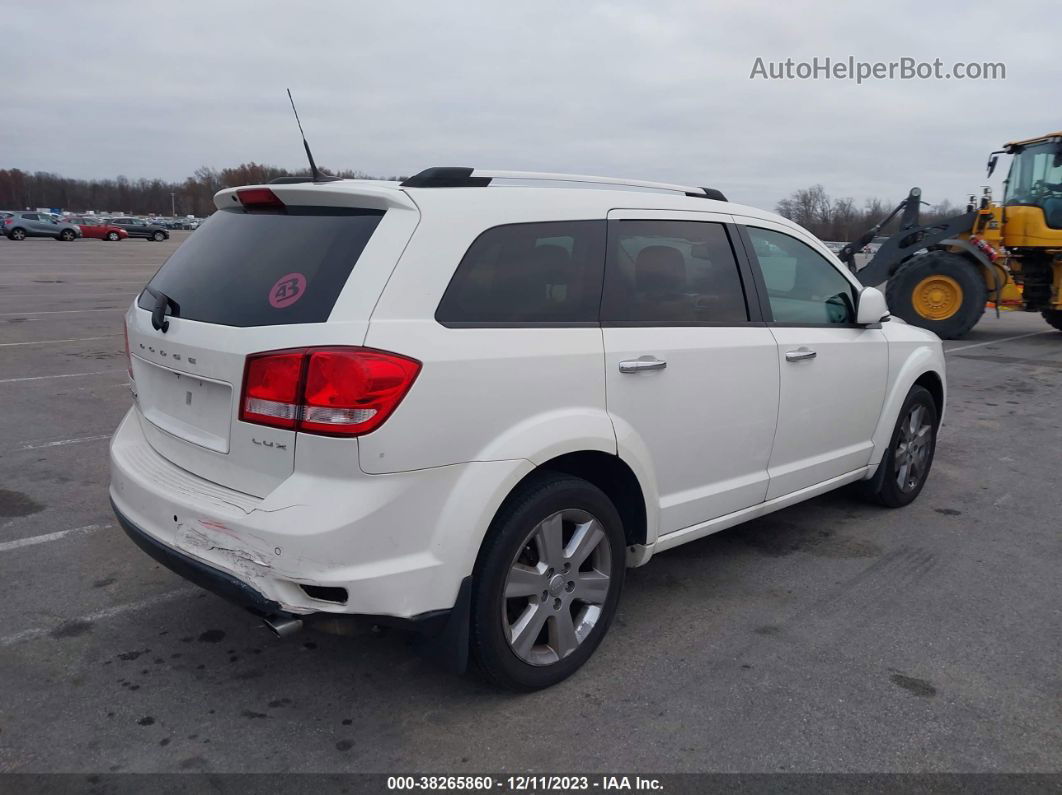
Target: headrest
column 659, row 269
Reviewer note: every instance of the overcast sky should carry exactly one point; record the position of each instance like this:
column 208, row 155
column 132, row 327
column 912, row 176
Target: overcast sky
column 655, row 90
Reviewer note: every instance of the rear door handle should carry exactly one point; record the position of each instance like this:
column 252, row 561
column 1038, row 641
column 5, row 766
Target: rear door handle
column 800, row 354
column 644, row 363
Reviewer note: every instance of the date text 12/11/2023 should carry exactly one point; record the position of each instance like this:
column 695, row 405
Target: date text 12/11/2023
column 524, row 783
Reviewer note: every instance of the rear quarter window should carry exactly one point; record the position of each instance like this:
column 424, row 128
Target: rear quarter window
column 264, row 269
column 528, row 274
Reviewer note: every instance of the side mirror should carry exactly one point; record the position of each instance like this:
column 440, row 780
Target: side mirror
column 871, row 309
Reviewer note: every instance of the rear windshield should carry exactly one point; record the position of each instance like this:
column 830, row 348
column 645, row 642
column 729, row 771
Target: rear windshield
column 264, row 269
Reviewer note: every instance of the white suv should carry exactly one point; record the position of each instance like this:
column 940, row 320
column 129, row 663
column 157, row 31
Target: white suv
column 466, row 407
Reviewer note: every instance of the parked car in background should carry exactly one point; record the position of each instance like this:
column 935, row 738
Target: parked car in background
column 138, row 227
column 20, row 225
column 97, row 228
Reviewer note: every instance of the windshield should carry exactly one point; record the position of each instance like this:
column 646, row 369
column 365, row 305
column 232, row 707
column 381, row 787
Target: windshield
column 1035, row 175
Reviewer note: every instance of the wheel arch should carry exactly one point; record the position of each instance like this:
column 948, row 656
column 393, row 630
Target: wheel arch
column 932, row 382
column 608, row 472
column 923, row 367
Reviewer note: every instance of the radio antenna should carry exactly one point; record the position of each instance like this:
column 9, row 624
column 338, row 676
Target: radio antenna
column 315, row 173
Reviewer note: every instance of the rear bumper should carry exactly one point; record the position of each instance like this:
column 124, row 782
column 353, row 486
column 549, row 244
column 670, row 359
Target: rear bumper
column 214, row 580
column 399, row 546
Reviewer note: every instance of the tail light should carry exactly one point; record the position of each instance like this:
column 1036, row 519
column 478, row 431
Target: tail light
column 331, row 391
column 9, row 220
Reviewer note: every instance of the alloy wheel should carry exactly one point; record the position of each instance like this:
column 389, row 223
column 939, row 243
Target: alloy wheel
column 912, row 448
column 556, row 587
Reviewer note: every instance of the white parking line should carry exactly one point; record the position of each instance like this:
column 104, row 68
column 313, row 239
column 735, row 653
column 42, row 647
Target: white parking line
column 101, row 615
column 62, row 311
column 62, row 442
column 996, row 342
column 62, row 375
column 18, row 543
column 53, row 342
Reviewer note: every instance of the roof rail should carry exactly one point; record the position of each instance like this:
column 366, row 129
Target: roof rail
column 462, row 177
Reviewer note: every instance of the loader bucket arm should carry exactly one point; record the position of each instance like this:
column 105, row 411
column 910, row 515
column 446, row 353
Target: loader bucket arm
column 907, row 242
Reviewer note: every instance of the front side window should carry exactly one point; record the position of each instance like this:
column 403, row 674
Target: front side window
column 671, row 272
column 536, row 273
column 803, row 287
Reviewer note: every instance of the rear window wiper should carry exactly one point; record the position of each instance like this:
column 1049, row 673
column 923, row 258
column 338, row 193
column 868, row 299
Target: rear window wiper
column 158, row 312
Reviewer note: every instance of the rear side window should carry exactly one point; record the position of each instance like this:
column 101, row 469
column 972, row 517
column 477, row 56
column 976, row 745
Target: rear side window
column 672, row 272
column 264, row 269
column 521, row 274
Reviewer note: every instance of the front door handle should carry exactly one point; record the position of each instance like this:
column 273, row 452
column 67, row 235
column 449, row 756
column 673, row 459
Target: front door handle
column 644, row 363
column 800, row 354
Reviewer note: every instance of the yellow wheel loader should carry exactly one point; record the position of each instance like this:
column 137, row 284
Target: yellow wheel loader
column 940, row 277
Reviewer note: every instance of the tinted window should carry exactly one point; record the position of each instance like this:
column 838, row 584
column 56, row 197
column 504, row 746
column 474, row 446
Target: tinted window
column 672, row 272
column 802, row 285
column 258, row 269
column 528, row 273
column 30, row 216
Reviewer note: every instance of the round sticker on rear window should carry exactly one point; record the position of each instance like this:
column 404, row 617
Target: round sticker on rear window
column 287, row 290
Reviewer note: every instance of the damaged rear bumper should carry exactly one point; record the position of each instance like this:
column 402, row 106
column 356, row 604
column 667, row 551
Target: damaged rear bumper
column 442, row 634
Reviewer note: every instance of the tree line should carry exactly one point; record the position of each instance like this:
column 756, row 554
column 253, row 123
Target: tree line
column 192, row 196
column 826, row 217
column 841, row 220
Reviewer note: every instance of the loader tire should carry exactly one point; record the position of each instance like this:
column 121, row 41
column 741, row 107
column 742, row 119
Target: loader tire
column 1053, row 317
column 939, row 291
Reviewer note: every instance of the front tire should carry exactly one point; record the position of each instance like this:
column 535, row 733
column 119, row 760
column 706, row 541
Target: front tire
column 940, row 291
column 159, row 237
column 67, row 235
column 1053, row 317
column 547, row 583
column 112, row 236
column 909, row 458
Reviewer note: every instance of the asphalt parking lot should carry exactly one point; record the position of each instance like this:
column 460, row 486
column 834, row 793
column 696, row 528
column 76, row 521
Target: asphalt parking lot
column 832, row 636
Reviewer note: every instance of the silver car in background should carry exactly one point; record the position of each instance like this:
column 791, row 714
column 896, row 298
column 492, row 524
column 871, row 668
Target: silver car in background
column 20, row 225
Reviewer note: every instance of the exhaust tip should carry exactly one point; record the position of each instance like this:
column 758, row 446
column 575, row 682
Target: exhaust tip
column 283, row 626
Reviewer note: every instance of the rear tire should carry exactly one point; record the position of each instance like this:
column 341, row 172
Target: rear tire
column 547, row 582
column 909, row 458
column 17, row 234
column 1053, row 317
column 939, row 291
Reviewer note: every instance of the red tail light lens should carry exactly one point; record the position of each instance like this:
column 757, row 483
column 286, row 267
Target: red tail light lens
column 332, row 391
column 271, row 386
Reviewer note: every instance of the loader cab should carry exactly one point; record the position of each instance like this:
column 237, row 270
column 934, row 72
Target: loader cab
column 1035, row 182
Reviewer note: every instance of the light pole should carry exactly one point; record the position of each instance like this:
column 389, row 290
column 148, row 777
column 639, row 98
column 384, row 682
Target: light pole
column 173, row 206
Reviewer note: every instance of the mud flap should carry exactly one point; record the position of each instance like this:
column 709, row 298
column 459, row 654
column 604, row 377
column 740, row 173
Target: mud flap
column 448, row 647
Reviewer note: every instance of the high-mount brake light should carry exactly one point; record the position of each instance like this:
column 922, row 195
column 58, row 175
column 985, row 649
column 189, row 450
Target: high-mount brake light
column 332, row 391
column 259, row 199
